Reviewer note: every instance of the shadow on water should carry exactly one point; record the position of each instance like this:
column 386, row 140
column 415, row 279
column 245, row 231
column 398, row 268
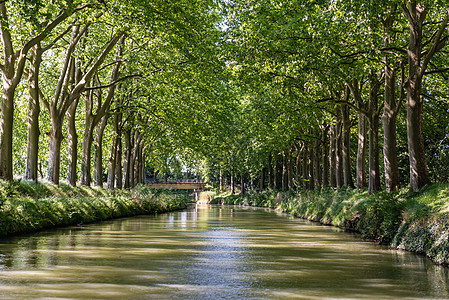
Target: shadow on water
column 212, row 252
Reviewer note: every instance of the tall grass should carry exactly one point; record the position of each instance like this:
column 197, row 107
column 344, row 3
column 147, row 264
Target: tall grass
column 27, row 206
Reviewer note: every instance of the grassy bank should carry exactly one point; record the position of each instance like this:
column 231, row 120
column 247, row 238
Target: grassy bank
column 417, row 222
column 27, row 207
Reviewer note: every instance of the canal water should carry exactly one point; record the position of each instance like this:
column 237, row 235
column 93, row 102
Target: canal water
column 211, row 252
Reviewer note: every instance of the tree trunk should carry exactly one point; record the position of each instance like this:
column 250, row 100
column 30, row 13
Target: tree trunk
column 127, row 159
column 232, row 183
column 54, row 148
column 373, row 114
column 242, row 184
column 305, row 163
column 262, row 179
column 221, row 180
column 298, row 175
column 284, row 171
column 339, row 150
column 417, row 65
column 6, row 122
column 346, row 150
column 118, row 163
column 111, row 165
column 290, row 169
column 361, row 153
column 86, row 157
column 311, row 167
column 98, row 164
column 142, row 164
column 12, row 71
column 325, row 138
column 389, row 126
column 332, row 157
column 270, row 172
column 317, row 165
column 276, row 172
column 88, row 138
column 390, row 113
column 33, row 114
column 374, row 171
column 72, row 144
column 135, row 160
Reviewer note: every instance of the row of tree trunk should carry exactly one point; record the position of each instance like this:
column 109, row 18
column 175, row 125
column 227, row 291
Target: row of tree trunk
column 77, row 78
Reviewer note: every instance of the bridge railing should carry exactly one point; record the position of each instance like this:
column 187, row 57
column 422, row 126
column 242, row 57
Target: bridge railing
column 173, row 180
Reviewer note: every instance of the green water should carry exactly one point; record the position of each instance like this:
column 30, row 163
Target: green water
column 211, row 252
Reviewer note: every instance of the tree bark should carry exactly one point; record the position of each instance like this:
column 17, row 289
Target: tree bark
column 270, row 172
column 232, row 183
column 284, row 171
column 111, row 165
column 221, row 180
column 118, row 162
column 317, row 165
column 339, row 150
column 361, row 152
column 346, row 150
column 12, row 71
column 54, row 158
column 390, row 113
column 373, row 117
column 98, row 164
column 72, row 144
column 305, row 171
column 332, row 157
column 127, row 159
column 290, row 169
column 32, row 166
column 311, row 167
column 325, row 138
column 417, row 65
column 298, row 175
column 262, row 179
column 277, row 171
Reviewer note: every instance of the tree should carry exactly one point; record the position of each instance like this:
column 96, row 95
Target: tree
column 418, row 61
column 14, row 63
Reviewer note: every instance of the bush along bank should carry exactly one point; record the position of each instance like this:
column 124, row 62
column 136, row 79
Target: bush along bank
column 28, row 207
column 417, row 222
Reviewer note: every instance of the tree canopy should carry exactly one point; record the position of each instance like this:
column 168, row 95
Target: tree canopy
column 281, row 94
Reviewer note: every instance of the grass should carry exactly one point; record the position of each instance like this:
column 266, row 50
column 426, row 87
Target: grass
column 416, row 221
column 26, row 206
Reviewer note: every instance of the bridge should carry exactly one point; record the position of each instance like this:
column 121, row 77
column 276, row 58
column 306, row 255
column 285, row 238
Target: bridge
column 177, row 185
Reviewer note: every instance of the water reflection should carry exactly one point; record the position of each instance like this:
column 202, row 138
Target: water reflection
column 210, row 253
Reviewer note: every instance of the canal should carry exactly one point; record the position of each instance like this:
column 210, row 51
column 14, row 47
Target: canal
column 211, row 252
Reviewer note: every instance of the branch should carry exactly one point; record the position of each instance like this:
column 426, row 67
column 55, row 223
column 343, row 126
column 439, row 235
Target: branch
column 386, row 49
column 48, row 47
column 436, row 45
column 80, row 86
column 5, row 34
column 436, row 71
column 112, row 83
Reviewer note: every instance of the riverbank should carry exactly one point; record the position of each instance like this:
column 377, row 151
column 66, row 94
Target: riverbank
column 28, row 207
column 417, row 222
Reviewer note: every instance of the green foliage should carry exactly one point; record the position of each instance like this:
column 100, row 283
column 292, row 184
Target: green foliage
column 30, row 207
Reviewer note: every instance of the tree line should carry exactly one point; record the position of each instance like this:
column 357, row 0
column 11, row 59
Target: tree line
column 332, row 88
column 90, row 87
column 285, row 94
